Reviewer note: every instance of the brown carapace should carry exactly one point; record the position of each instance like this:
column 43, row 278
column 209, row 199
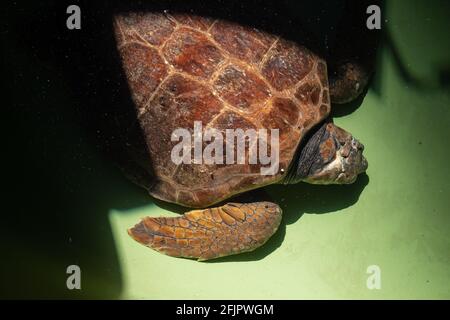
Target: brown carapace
column 183, row 68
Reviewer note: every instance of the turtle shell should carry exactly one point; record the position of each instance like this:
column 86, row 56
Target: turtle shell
column 183, row 68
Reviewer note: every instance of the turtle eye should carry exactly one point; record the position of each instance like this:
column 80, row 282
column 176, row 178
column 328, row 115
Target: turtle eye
column 345, row 150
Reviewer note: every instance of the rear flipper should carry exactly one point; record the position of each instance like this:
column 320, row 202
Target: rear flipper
column 210, row 233
column 352, row 57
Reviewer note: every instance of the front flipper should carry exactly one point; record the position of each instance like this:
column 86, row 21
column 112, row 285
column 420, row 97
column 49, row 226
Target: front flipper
column 210, row 233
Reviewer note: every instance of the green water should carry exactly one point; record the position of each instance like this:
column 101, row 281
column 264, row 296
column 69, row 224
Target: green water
column 396, row 217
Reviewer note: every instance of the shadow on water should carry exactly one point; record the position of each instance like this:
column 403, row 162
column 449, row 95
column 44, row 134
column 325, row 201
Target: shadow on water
column 67, row 89
column 295, row 201
column 405, row 72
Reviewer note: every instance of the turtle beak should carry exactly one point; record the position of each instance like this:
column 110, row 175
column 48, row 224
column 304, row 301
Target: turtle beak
column 363, row 164
column 352, row 161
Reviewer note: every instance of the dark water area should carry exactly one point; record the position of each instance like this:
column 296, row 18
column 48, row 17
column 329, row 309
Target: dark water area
column 65, row 94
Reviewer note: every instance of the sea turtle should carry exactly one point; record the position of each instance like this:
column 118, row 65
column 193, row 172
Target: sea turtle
column 184, row 69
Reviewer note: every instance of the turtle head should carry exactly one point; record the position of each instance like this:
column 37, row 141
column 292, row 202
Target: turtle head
column 330, row 156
